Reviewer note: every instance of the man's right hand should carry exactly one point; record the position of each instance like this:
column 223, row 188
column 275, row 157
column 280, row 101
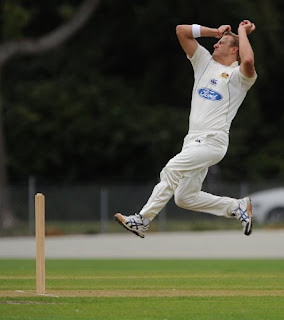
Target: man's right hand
column 222, row 29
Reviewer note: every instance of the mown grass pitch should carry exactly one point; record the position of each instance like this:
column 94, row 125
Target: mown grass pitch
column 144, row 289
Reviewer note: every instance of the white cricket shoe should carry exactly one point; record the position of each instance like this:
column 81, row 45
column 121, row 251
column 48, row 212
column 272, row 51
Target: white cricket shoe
column 244, row 214
column 135, row 223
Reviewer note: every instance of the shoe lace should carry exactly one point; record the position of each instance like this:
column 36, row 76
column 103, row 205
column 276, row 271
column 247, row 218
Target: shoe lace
column 242, row 216
column 136, row 222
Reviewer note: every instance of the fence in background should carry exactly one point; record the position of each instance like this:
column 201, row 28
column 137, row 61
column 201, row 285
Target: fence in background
column 92, row 202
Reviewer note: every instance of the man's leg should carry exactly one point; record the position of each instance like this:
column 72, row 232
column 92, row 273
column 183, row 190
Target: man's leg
column 188, row 195
column 193, row 161
column 161, row 194
column 196, row 156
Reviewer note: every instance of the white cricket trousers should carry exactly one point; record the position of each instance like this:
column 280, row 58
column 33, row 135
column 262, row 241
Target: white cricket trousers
column 184, row 174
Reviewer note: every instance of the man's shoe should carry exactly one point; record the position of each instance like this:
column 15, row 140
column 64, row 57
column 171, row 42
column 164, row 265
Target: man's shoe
column 135, row 223
column 244, row 215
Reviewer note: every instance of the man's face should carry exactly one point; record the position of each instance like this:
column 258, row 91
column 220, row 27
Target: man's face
column 223, row 47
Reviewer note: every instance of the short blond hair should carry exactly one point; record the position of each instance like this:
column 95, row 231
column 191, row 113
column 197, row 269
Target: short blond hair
column 234, row 38
column 234, row 41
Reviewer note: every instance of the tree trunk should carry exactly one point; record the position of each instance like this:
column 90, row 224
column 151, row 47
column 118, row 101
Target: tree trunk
column 10, row 49
column 7, row 218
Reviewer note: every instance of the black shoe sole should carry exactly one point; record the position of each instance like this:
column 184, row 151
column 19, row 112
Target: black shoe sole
column 248, row 228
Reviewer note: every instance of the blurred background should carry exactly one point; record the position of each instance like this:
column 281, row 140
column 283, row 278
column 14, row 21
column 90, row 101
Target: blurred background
column 94, row 100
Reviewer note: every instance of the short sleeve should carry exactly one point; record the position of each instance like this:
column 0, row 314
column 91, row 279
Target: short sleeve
column 244, row 82
column 200, row 60
column 247, row 83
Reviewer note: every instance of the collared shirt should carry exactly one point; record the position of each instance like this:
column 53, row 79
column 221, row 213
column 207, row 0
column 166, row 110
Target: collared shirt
column 217, row 94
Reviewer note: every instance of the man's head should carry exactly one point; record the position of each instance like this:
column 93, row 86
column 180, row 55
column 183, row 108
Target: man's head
column 227, row 48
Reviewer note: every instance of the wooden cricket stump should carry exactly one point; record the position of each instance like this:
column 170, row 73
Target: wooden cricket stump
column 40, row 242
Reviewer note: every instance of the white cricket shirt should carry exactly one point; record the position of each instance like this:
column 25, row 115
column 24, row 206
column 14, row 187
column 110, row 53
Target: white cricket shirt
column 217, row 94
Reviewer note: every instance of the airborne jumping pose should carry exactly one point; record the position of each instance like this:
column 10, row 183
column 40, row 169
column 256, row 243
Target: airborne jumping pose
column 220, row 86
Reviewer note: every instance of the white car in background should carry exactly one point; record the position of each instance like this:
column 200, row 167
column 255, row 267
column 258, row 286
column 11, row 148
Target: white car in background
column 268, row 205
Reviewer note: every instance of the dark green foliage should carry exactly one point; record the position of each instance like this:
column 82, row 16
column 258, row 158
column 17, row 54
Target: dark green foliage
column 113, row 102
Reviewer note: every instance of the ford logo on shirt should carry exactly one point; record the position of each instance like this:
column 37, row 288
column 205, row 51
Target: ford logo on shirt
column 209, row 94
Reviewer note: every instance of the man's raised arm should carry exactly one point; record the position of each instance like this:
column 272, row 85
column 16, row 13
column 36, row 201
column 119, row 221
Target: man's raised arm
column 187, row 33
column 245, row 49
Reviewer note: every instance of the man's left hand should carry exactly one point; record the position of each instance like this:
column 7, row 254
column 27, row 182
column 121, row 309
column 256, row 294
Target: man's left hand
column 248, row 26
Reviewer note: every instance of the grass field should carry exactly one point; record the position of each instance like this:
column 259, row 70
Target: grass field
column 144, row 289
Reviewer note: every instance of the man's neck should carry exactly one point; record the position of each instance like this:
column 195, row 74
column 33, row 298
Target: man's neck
column 225, row 62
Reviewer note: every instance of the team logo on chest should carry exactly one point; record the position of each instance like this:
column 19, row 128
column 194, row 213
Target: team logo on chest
column 225, row 75
column 209, row 94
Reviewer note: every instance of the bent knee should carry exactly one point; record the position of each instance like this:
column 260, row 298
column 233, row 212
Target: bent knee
column 179, row 201
column 184, row 202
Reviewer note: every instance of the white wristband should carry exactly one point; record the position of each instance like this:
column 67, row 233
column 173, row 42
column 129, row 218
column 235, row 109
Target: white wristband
column 196, row 31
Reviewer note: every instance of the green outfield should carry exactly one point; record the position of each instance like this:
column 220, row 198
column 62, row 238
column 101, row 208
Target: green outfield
column 144, row 289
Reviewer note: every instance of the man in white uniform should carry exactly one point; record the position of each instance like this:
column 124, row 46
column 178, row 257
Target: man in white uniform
column 220, row 87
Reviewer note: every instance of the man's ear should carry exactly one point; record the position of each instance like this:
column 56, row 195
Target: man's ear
column 235, row 49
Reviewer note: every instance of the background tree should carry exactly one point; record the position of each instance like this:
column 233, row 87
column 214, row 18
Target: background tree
column 113, row 102
column 15, row 19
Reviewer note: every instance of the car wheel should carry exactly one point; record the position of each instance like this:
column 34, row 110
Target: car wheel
column 276, row 215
